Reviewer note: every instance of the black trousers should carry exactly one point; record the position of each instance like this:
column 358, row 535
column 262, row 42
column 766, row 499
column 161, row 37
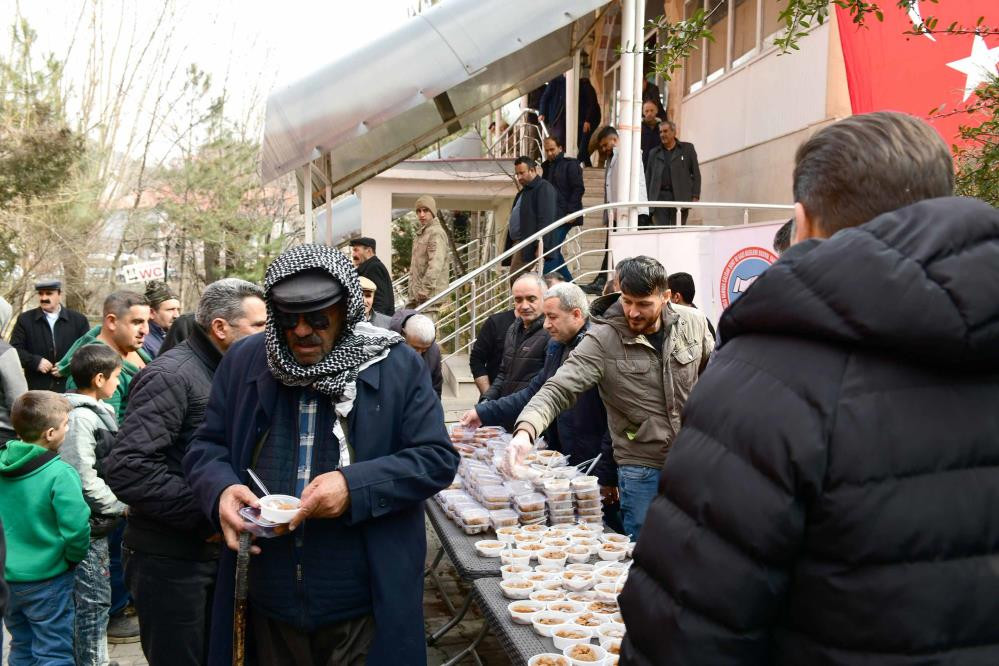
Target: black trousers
column 342, row 644
column 173, row 599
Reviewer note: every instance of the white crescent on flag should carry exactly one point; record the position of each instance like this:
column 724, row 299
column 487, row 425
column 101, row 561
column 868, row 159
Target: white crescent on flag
column 917, row 19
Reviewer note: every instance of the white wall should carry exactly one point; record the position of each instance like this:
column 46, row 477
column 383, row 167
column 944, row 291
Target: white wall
column 771, row 96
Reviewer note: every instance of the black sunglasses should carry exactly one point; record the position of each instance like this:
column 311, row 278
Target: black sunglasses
column 317, row 320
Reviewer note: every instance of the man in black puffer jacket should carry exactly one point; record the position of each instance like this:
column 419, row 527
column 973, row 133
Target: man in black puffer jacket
column 526, row 340
column 832, row 496
column 171, row 549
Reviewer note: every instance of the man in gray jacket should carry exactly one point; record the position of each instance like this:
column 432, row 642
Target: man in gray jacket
column 644, row 354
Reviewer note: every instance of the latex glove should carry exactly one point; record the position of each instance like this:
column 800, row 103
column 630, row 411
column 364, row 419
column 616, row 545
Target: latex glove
column 513, row 461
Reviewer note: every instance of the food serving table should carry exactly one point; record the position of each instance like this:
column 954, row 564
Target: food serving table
column 519, row 641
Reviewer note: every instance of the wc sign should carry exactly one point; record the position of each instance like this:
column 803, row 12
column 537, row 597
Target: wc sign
column 741, row 271
column 148, row 270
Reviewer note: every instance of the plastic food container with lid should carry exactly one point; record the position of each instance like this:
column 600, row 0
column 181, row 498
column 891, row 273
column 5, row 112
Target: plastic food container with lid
column 503, row 518
column 530, row 502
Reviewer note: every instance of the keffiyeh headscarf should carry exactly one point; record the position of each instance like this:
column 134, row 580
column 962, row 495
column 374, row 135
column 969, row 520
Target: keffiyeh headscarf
column 359, row 345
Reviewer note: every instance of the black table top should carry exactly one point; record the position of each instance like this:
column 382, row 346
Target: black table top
column 460, row 547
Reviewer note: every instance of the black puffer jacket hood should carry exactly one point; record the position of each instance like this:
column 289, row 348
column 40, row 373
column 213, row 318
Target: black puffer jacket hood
column 937, row 261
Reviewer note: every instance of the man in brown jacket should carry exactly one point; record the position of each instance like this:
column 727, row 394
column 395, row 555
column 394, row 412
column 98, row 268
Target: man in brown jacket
column 644, row 354
column 429, row 266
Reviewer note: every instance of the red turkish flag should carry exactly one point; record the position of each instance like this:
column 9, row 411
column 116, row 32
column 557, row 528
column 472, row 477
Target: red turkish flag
column 888, row 70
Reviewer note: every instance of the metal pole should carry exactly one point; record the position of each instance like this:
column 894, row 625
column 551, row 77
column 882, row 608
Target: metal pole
column 636, row 170
column 572, row 107
column 307, row 186
column 622, row 160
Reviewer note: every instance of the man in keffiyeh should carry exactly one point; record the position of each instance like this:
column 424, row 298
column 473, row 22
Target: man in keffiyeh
column 328, row 408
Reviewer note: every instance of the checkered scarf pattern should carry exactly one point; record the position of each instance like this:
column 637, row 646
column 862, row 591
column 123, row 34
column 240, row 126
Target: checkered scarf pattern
column 358, row 343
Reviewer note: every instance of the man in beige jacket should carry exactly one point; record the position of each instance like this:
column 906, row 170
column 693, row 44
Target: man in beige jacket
column 430, row 264
column 644, row 354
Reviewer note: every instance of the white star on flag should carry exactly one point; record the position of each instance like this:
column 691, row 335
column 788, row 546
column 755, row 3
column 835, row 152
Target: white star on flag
column 978, row 67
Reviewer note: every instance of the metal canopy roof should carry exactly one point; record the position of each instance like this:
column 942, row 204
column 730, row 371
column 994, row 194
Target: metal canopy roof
column 440, row 71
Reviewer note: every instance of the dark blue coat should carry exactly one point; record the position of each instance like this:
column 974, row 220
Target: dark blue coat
column 580, row 432
column 403, row 456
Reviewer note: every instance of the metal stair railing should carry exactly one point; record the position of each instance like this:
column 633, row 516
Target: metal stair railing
column 486, row 290
column 519, row 138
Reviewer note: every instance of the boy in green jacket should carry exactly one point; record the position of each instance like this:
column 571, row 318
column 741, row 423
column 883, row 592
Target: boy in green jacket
column 46, row 525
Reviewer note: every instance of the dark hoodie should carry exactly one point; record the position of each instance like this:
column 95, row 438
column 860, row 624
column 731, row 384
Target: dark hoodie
column 831, row 498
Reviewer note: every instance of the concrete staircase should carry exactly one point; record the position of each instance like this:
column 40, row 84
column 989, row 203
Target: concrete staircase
column 593, row 181
column 459, row 393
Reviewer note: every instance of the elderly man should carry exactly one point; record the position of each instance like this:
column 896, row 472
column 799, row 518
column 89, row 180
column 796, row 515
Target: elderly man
column 42, row 336
column 525, row 342
column 421, row 334
column 368, row 265
column 429, row 267
column 369, row 291
column 645, row 355
column 335, row 411
column 168, row 538
column 164, row 308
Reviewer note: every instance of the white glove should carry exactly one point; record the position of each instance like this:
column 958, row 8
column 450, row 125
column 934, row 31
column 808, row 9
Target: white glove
column 513, row 463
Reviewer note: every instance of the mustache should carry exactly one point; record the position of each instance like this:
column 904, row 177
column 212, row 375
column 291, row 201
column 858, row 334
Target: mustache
column 309, row 340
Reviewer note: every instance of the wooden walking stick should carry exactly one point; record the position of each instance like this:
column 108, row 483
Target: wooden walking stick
column 239, row 613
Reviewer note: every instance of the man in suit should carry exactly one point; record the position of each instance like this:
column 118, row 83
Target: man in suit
column 44, row 334
column 362, row 253
column 672, row 174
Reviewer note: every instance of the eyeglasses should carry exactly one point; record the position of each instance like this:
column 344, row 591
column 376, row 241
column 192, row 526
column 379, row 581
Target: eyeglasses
column 317, row 320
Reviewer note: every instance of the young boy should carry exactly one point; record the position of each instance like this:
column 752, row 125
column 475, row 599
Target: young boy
column 46, row 524
column 92, row 426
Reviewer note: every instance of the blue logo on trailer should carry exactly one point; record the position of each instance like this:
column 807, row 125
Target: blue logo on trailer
column 741, row 271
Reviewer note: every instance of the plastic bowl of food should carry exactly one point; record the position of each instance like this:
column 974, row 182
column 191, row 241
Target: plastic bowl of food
column 588, row 619
column 607, row 609
column 607, row 591
column 566, row 606
column 507, row 534
column 581, row 597
column 613, row 537
column 535, row 529
column 577, row 581
column 550, row 584
column 578, row 553
column 579, row 566
column 545, row 622
column 515, row 556
column 610, row 631
column 516, row 588
column 549, row 569
column 536, row 576
column 565, row 635
column 532, row 549
column 522, row 611
column 555, row 542
column 612, row 552
column 548, row 659
column 490, row 547
column 514, row 570
column 279, row 508
column 547, row 596
column 552, row 557
column 584, row 654
column 613, row 646
column 526, row 537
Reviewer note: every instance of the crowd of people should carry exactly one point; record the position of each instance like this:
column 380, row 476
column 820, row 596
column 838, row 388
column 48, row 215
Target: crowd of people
column 814, row 483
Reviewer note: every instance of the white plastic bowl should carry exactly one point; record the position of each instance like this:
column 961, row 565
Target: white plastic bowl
column 577, row 581
column 610, row 631
column 554, row 557
column 610, row 644
column 541, row 619
column 583, row 635
column 536, row 659
column 599, row 652
column 514, row 571
column 520, row 617
column 547, row 596
column 609, row 552
column 514, row 556
column 566, row 606
column 489, row 547
column 514, row 588
column 269, row 508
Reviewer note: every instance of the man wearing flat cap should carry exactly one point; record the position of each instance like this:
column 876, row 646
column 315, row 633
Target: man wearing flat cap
column 369, row 291
column 429, row 268
column 327, row 408
column 42, row 335
column 164, row 309
column 368, row 265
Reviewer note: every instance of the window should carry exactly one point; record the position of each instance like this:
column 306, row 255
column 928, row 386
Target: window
column 692, row 65
column 717, row 48
column 771, row 20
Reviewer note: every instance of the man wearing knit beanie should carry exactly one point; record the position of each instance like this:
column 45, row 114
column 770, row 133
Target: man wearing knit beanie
column 164, row 308
column 429, row 267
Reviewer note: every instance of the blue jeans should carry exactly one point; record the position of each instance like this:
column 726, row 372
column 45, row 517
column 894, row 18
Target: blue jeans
column 119, row 594
column 638, row 486
column 40, row 621
column 93, row 602
column 554, row 261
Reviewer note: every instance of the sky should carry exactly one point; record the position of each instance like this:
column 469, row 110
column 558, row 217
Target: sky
column 251, row 46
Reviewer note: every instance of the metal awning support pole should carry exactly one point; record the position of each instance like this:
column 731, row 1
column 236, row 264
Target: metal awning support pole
column 307, row 202
column 625, row 126
column 572, row 107
column 328, row 174
column 636, row 171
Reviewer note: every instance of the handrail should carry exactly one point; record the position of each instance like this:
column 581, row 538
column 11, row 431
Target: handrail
column 504, row 135
column 538, row 235
column 398, row 282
